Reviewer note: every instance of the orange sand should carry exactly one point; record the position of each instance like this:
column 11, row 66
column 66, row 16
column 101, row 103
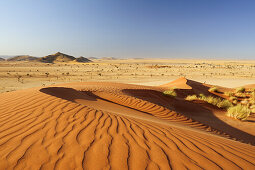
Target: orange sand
column 119, row 126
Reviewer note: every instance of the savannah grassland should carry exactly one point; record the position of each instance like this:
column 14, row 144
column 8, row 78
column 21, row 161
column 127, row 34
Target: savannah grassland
column 229, row 73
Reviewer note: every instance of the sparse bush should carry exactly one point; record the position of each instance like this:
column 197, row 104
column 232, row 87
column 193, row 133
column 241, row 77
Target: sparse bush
column 240, row 95
column 224, row 104
column 213, row 89
column 170, row 92
column 252, row 101
column 253, row 95
column 202, row 96
column 245, row 102
column 191, row 97
column 239, row 112
column 253, row 110
column 232, row 98
column 240, row 90
column 234, row 101
column 229, row 94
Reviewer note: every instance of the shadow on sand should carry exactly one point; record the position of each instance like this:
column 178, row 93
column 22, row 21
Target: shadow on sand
column 195, row 111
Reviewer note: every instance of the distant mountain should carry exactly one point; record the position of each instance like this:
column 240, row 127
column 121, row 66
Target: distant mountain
column 92, row 58
column 82, row 60
column 108, row 58
column 58, row 57
column 22, row 58
column 6, row 56
column 61, row 57
column 54, row 58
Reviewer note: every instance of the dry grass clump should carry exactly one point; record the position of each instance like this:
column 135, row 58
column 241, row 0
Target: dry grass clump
column 232, row 98
column 170, row 92
column 239, row 112
column 253, row 110
column 243, row 95
column 240, row 90
column 214, row 89
column 220, row 103
column 191, row 97
column 252, row 107
column 229, row 94
column 253, row 95
column 224, row 104
column 252, row 101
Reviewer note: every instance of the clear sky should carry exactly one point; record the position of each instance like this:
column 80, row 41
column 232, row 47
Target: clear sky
column 129, row 28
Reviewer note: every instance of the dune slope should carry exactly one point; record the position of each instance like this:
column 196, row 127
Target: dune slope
column 104, row 126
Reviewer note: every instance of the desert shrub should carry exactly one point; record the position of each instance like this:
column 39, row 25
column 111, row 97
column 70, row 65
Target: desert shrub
column 191, row 97
column 213, row 89
column 170, row 92
column 240, row 94
column 232, row 98
column 229, row 94
column 202, row 96
column 252, row 107
column 252, row 101
column 253, row 95
column 234, row 101
column 239, row 112
column 224, row 104
column 245, row 102
column 212, row 100
column 253, row 110
column 240, row 90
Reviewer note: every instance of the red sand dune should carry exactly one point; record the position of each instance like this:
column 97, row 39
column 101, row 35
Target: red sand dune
column 118, row 126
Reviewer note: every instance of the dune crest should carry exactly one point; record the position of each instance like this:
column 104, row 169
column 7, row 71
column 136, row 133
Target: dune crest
column 110, row 126
column 178, row 83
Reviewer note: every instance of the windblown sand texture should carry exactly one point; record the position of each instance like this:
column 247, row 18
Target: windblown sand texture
column 117, row 126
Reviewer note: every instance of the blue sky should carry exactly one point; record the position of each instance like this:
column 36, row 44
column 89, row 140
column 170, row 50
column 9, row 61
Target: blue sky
column 129, row 28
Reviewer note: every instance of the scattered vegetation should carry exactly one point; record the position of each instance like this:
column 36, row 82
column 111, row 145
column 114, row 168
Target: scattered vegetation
column 243, row 95
column 239, row 112
column 171, row 92
column 232, row 98
column 229, row 94
column 239, row 105
column 214, row 89
column 191, row 97
column 240, row 90
column 220, row 103
column 224, row 104
column 253, row 95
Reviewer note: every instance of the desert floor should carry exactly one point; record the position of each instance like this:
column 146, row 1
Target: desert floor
column 98, row 121
column 22, row 75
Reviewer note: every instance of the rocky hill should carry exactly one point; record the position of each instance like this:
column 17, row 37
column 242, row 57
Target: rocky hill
column 62, row 58
column 22, row 58
column 58, row 57
column 82, row 60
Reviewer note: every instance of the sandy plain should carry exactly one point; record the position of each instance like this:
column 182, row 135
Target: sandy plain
column 229, row 73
